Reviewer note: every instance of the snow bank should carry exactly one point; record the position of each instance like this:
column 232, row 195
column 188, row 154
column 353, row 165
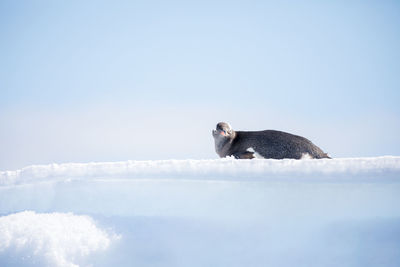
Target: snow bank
column 225, row 169
column 214, row 189
column 54, row 239
column 225, row 212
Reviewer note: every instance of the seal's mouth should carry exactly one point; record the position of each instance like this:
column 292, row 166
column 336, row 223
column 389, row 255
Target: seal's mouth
column 217, row 133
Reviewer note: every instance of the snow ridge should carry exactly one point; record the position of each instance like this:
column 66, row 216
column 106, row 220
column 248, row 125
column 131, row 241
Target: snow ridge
column 228, row 168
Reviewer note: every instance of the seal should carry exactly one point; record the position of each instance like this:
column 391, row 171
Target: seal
column 268, row 144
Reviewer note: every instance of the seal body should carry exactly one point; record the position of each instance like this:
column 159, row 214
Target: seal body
column 269, row 144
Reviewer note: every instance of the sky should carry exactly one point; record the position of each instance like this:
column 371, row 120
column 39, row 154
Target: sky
column 84, row 81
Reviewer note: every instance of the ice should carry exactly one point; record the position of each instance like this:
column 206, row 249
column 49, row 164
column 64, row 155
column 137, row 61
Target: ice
column 221, row 169
column 224, row 212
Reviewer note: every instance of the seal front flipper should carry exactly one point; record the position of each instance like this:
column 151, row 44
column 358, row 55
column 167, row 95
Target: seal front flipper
column 244, row 155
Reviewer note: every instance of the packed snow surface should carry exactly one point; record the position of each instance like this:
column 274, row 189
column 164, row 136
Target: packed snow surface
column 208, row 169
column 225, row 212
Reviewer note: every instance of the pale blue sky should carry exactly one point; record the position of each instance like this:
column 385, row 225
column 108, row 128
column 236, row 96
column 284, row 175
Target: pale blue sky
column 102, row 81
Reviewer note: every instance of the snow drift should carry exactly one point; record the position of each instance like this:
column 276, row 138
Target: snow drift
column 54, row 239
column 224, row 212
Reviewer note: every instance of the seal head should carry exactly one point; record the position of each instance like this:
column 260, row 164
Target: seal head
column 223, row 129
column 223, row 136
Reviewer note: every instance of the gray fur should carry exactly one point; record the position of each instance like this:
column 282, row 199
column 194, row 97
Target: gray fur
column 269, row 144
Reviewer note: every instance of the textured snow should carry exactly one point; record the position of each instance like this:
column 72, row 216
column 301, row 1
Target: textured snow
column 224, row 212
column 54, row 239
column 220, row 169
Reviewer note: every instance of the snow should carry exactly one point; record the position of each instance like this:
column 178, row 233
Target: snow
column 223, row 212
column 220, row 169
column 256, row 155
column 58, row 239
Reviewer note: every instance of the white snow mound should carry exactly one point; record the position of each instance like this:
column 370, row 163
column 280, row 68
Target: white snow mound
column 51, row 239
